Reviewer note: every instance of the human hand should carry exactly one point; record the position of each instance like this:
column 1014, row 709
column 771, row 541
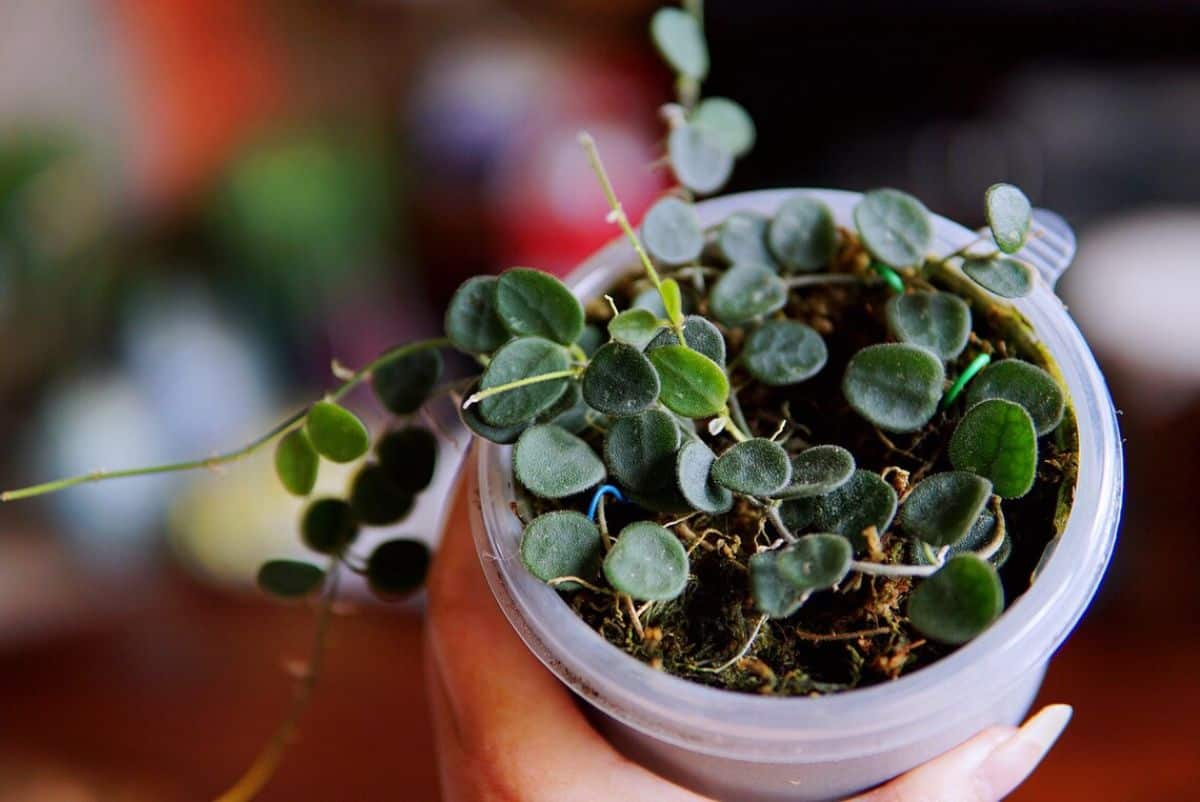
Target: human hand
column 507, row 729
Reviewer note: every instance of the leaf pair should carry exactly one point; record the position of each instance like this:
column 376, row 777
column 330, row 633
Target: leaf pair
column 860, row 502
column 394, row 568
column 781, row 580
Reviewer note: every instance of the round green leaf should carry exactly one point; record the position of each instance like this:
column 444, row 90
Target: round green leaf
column 938, row 321
column 817, row 471
column 409, row 457
column 895, row 386
column 862, row 501
column 1025, row 384
column 773, row 595
column 289, row 579
column 941, row 509
column 698, row 159
column 296, row 463
column 671, row 232
column 979, row 536
column 680, row 39
column 742, row 240
column 561, row 543
column 551, row 462
column 996, row 439
column 693, row 472
column 636, row 327
column 692, row 384
column 958, row 602
column 754, row 467
column 648, row 562
column 745, row 292
column 376, row 499
column 1009, row 215
column 1002, row 275
column 620, row 381
column 328, row 526
column 503, row 435
column 336, row 433
column 782, row 352
column 397, row 567
column 404, row 384
column 815, row 562
column 531, row 303
column 699, row 334
column 802, row 235
column 894, row 227
column 728, row 122
column 521, row 359
column 471, row 320
column 640, row 451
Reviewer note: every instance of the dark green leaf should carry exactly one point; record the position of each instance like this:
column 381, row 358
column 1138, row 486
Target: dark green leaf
column 328, row 526
column 746, row 292
column 699, row 334
column 863, row 501
column 728, row 122
column 782, row 352
column 680, row 39
column 693, row 472
column 671, row 232
column 755, row 467
column 803, row 236
column 620, row 381
column 692, row 384
column 895, row 386
column 336, row 433
column 636, row 327
column 894, row 226
column 520, row 359
column 471, row 320
column 561, row 543
column 978, row 536
column 938, row 321
column 773, row 595
column 996, row 439
column 1002, row 275
column 815, row 562
column 958, row 602
column 296, row 463
column 551, row 462
column 640, row 451
column 742, row 240
column 405, row 383
column 397, row 567
column 504, row 435
column 818, row 470
column 409, row 457
column 376, row 499
column 648, row 562
column 1025, row 384
column 941, row 508
column 1009, row 215
column 531, row 303
column 698, row 159
column 289, row 579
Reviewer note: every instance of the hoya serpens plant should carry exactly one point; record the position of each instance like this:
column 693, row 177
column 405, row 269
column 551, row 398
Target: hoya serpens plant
column 773, row 435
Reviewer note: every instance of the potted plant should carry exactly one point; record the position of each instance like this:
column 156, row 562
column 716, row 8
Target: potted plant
column 804, row 491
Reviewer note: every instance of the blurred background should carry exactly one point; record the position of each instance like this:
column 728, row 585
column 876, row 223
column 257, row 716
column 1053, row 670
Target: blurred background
column 203, row 202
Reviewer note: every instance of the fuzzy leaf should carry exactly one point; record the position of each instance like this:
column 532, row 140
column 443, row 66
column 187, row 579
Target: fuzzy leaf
column 640, row 451
column 409, row 457
column 648, row 562
column 742, row 240
column 531, row 303
column 755, row 467
column 636, row 327
column 693, row 472
column 773, row 595
column 570, row 411
column 815, row 562
column 671, row 232
column 895, row 386
column 745, row 292
column 958, row 602
column 802, row 235
column 471, row 320
column 680, row 39
column 699, row 334
column 551, row 462
column 397, row 567
column 296, row 463
column 336, row 433
column 728, row 122
column 692, row 384
column 996, row 439
column 289, row 579
column 561, row 543
column 1025, row 384
column 405, row 383
column 328, row 526
column 620, row 381
column 1009, row 215
column 894, row 226
column 782, row 352
column 698, row 159
column 503, row 435
column 864, row 500
column 376, row 499
column 520, row 359
column 938, row 321
column 817, row 471
column 1002, row 275
column 941, row 508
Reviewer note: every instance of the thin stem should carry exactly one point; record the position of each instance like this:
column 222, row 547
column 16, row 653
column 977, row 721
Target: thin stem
column 964, row 250
column 602, row 521
column 230, row 456
column 268, row 760
column 732, row 427
column 762, row 619
column 633, row 615
column 993, row 546
column 777, row 520
column 559, row 580
column 817, row 637
column 813, row 279
column 879, row 569
column 569, row 373
column 735, row 410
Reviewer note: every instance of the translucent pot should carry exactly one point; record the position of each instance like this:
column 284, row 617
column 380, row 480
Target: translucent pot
column 745, row 748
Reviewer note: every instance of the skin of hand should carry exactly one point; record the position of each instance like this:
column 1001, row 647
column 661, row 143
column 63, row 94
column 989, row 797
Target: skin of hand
column 507, row 730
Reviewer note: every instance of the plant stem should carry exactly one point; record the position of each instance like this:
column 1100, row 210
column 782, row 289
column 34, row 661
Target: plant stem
column 569, row 373
column 732, row 427
column 559, row 580
column 268, row 760
column 633, row 616
column 993, row 546
column 813, row 279
column 880, row 569
column 777, row 520
column 745, row 647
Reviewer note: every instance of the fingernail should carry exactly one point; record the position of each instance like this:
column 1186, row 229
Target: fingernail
column 1015, row 758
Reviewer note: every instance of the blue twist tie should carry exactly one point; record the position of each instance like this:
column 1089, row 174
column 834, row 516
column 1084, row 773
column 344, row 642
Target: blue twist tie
column 601, row 491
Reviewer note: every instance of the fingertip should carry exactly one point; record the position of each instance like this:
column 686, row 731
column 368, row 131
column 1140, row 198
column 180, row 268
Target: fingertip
column 1016, row 757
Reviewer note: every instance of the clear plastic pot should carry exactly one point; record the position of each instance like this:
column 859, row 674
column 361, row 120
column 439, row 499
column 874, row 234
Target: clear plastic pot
column 745, row 748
